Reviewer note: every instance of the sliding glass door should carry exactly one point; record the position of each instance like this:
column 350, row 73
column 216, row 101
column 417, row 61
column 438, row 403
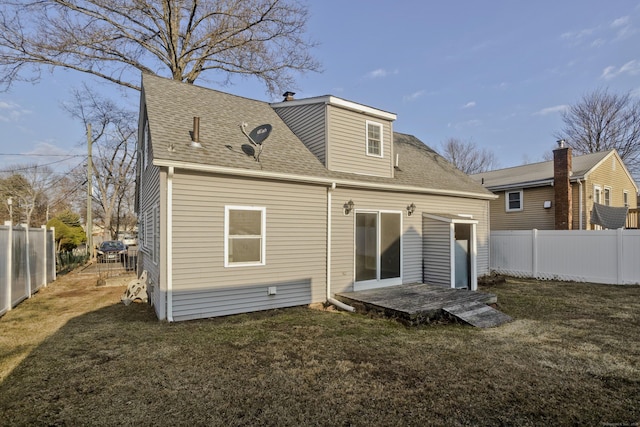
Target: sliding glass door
column 378, row 249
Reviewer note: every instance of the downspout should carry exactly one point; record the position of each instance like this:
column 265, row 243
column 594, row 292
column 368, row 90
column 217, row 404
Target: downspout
column 333, row 301
column 580, row 204
column 170, row 244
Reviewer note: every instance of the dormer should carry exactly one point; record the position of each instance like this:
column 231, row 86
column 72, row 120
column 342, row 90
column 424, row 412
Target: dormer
column 345, row 136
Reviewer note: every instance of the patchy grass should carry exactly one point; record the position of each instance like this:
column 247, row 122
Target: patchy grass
column 73, row 355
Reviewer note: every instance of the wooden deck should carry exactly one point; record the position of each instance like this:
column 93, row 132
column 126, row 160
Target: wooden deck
column 419, row 303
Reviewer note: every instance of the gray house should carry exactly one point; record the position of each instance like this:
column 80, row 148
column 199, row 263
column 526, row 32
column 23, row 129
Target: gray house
column 245, row 205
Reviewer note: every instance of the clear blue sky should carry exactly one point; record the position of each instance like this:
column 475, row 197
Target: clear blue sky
column 496, row 72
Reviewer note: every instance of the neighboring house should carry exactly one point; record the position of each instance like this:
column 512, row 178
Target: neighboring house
column 333, row 200
column 558, row 194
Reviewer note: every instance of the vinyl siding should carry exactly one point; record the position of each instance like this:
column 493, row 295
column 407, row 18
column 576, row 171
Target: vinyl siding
column 347, row 143
column 149, row 193
column 609, row 173
column 308, row 123
column 295, row 246
column 342, row 251
column 533, row 215
column 436, row 251
column 575, row 207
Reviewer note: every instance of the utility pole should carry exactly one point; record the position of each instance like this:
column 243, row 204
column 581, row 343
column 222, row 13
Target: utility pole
column 89, row 193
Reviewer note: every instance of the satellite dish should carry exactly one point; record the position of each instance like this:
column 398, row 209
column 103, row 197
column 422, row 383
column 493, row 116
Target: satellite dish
column 259, row 134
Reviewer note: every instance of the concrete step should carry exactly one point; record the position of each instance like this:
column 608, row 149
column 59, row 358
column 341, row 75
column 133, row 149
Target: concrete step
column 478, row 314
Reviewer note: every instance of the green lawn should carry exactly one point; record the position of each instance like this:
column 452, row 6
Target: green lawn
column 73, row 355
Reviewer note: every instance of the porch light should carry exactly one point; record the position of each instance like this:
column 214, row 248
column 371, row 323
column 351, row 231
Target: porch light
column 410, row 209
column 348, row 207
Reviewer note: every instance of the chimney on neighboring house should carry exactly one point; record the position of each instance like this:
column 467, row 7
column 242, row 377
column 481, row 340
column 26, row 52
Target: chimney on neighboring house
column 562, row 186
column 288, row 96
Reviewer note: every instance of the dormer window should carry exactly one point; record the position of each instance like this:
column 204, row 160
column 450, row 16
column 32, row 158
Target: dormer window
column 374, row 139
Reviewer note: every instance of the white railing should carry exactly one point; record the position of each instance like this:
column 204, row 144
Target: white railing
column 27, row 263
column 606, row 256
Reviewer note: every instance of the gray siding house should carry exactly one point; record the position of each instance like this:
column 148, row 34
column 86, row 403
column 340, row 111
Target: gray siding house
column 331, row 201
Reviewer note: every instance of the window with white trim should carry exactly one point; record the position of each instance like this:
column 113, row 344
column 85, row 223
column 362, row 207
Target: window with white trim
column 149, row 227
column 513, row 200
column 607, row 196
column 244, row 235
column 625, row 198
column 374, row 139
column 597, row 194
column 141, row 230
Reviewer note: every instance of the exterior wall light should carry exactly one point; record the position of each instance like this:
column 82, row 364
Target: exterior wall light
column 348, row 207
column 410, row 209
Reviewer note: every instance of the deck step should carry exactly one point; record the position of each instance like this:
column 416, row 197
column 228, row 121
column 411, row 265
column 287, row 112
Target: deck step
column 478, row 314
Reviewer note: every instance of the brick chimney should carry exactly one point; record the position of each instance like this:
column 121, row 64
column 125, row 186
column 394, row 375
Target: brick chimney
column 562, row 186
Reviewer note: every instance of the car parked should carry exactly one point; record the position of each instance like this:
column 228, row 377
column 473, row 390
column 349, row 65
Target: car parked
column 129, row 240
column 112, row 251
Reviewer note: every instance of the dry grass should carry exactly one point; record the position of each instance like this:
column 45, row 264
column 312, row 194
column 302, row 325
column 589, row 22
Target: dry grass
column 73, row 355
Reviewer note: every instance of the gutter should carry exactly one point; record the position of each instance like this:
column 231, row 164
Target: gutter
column 331, row 300
column 518, row 185
column 530, row 184
column 321, row 181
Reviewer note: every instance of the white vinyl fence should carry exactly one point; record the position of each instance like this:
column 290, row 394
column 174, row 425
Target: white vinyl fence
column 605, row 256
column 27, row 263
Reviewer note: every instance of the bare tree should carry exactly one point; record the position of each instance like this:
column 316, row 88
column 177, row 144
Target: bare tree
column 114, row 137
column 468, row 157
column 27, row 186
column 602, row 121
column 116, row 39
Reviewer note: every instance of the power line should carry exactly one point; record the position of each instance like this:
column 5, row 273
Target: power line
column 25, row 168
column 42, row 155
column 66, row 174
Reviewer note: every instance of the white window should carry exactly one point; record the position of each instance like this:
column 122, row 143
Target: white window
column 244, row 235
column 149, row 230
column 141, row 231
column 607, row 196
column 597, row 194
column 513, row 201
column 374, row 139
column 625, row 198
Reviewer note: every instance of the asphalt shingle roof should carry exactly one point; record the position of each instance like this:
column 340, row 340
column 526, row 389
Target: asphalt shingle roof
column 536, row 172
column 171, row 106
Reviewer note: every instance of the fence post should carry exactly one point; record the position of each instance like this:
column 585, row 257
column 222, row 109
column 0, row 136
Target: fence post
column 619, row 259
column 534, row 253
column 28, row 261
column 9, row 273
column 44, row 255
column 54, row 254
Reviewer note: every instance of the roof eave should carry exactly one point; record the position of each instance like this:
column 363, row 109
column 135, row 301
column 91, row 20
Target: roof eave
column 339, row 102
column 529, row 184
column 328, row 181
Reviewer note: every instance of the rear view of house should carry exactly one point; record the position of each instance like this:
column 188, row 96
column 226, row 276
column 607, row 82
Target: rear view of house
column 245, row 205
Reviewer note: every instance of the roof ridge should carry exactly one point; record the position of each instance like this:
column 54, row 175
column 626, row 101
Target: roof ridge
column 193, row 85
column 603, row 153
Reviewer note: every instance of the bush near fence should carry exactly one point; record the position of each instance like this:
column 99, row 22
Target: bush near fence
column 68, row 261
